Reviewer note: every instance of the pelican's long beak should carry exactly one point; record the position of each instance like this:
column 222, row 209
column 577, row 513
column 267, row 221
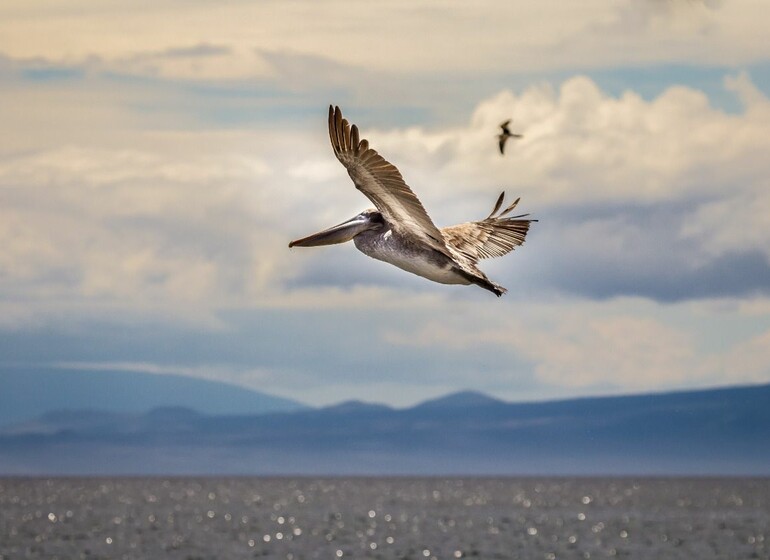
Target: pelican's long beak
column 336, row 234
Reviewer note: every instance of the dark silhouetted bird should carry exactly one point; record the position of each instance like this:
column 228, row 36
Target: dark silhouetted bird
column 505, row 134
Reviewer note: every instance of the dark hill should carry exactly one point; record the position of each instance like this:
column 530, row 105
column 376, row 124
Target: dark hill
column 710, row 432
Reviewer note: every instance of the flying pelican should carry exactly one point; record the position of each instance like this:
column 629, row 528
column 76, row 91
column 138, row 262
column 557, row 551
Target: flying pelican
column 399, row 231
column 505, row 134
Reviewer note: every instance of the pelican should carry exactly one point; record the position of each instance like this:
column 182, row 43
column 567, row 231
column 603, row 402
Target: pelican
column 398, row 230
column 505, row 134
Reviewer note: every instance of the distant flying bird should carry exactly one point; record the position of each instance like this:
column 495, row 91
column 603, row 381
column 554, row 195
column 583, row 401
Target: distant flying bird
column 399, row 230
column 505, row 134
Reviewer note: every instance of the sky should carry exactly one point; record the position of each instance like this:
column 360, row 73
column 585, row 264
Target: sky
column 157, row 157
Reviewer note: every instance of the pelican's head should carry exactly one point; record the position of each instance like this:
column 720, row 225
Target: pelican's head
column 366, row 220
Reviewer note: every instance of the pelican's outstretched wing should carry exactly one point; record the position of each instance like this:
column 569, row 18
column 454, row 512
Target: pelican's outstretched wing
column 494, row 236
column 382, row 183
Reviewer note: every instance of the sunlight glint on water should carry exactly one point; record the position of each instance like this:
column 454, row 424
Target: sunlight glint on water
column 294, row 519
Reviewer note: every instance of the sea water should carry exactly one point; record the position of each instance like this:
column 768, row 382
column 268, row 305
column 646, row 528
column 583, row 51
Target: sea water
column 400, row 518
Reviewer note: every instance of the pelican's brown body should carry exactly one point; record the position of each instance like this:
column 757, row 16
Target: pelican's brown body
column 398, row 231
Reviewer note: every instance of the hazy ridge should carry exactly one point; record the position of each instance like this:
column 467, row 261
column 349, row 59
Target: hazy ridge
column 27, row 393
column 708, row 432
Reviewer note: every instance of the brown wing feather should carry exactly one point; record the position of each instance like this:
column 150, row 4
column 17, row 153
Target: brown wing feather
column 494, row 236
column 382, row 183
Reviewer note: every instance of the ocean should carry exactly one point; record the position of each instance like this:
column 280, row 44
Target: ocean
column 399, row 518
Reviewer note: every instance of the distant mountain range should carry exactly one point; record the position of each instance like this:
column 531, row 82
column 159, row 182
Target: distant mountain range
column 710, row 432
column 26, row 393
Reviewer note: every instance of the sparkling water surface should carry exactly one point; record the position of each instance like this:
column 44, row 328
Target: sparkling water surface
column 401, row 518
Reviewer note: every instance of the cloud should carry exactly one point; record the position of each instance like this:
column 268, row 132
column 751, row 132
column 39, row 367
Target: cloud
column 617, row 346
column 194, row 62
column 139, row 228
column 650, row 251
column 751, row 357
column 398, row 37
column 581, row 144
column 622, row 351
column 240, row 376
